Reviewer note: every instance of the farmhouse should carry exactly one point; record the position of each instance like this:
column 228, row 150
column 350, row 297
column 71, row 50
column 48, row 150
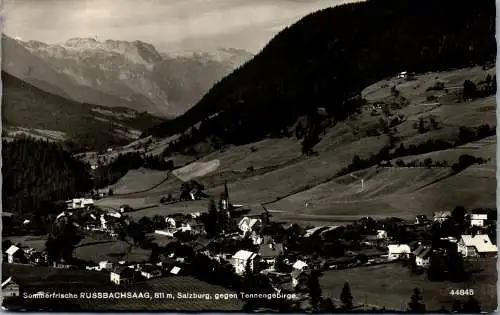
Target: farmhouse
column 10, row 288
column 150, row 272
column 476, row 246
column 79, row 203
column 105, row 265
column 122, row 275
column 269, row 252
column 242, row 259
column 398, row 251
column 15, row 255
column 478, row 219
column 300, row 265
column 176, row 270
column 423, row 256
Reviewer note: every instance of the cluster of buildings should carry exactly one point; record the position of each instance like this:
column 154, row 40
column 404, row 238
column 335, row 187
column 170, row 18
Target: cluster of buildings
column 27, row 255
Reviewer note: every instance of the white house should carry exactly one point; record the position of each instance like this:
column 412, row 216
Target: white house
column 10, row 288
column 122, row 275
column 398, row 251
column 150, row 272
column 477, row 245
column 79, row 203
column 175, row 270
column 423, row 256
column 242, row 259
column 478, row 219
column 248, row 224
column 300, row 265
column 15, row 254
column 381, row 234
column 105, row 265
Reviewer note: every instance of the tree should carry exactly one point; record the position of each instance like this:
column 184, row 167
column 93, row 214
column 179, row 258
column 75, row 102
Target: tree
column 314, row 289
column 469, row 90
column 153, row 257
column 421, row 125
column 416, row 304
column 211, row 220
column 428, row 162
column 346, row 297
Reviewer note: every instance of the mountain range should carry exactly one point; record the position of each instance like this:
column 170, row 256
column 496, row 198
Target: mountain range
column 113, row 73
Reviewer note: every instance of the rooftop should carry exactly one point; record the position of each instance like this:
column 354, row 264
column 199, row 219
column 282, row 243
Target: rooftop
column 244, row 255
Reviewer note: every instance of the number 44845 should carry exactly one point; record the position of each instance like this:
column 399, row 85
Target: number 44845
column 462, row 292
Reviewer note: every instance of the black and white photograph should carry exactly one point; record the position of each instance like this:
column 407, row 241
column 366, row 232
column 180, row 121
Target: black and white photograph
column 290, row 156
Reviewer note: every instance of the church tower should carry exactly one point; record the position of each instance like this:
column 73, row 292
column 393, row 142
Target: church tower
column 225, row 204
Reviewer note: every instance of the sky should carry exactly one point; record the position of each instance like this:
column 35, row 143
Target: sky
column 170, row 25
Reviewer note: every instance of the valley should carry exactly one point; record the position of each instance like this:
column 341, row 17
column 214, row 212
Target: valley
column 274, row 172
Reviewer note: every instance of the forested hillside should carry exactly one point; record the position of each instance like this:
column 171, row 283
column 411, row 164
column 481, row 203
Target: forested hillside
column 325, row 59
column 36, row 173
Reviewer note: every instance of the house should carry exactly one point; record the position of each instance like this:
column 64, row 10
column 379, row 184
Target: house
column 269, row 252
column 79, row 203
column 441, row 216
column 478, row 219
column 381, row 234
column 150, row 272
column 10, row 288
column 175, row 270
column 398, row 251
column 477, row 245
column 15, row 255
column 170, row 222
column 105, row 265
column 300, row 265
column 242, row 259
column 248, row 225
column 423, row 256
column 122, row 275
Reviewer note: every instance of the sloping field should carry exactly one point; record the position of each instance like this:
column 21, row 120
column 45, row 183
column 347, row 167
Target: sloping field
column 393, row 284
column 265, row 153
column 93, row 250
column 298, row 176
column 36, row 242
column 164, row 210
column 196, row 169
column 138, row 180
column 345, row 197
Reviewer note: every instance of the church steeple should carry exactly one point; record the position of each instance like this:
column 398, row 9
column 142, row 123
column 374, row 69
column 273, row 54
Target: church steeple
column 224, row 200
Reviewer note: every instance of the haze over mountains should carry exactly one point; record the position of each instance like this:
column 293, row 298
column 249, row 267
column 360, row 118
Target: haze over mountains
column 119, row 73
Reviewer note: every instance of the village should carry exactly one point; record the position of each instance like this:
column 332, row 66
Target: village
column 232, row 246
